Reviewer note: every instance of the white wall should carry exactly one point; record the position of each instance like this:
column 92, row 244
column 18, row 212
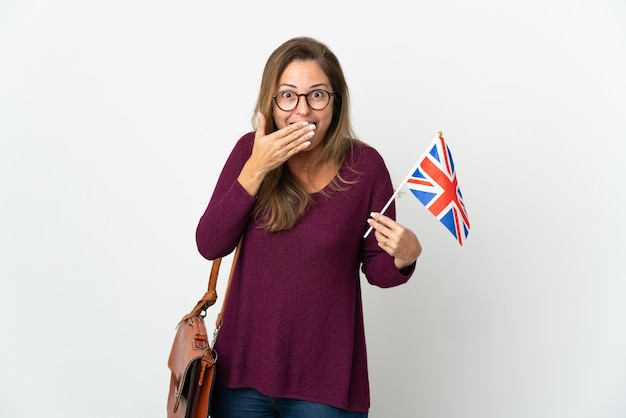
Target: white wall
column 115, row 119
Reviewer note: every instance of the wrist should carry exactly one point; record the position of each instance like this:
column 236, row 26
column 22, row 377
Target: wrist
column 251, row 179
column 404, row 265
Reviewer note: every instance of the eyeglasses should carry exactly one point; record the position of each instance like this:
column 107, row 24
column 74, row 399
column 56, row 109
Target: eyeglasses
column 288, row 100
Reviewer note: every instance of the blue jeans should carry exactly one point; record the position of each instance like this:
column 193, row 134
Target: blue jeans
column 249, row 403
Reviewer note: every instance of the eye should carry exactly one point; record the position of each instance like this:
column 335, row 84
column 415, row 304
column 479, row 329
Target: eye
column 286, row 94
column 317, row 94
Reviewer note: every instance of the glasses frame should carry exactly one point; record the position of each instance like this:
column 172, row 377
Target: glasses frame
column 306, row 98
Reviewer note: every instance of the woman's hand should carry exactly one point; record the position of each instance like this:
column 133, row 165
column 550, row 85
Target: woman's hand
column 396, row 240
column 270, row 151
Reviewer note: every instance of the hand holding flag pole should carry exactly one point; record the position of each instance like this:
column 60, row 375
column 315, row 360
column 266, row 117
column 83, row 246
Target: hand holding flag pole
column 396, row 193
column 433, row 182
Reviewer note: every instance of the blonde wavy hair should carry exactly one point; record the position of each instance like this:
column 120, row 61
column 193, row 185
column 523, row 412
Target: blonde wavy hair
column 282, row 199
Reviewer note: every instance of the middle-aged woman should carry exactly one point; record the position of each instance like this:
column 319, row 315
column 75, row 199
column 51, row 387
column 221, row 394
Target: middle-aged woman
column 301, row 190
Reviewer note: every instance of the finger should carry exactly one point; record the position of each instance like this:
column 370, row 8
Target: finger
column 285, row 136
column 381, row 237
column 383, row 220
column 384, row 242
column 299, row 145
column 299, row 132
column 297, row 140
column 260, row 125
column 377, row 221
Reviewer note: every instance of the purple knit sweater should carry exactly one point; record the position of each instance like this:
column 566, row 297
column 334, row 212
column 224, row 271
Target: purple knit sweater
column 293, row 324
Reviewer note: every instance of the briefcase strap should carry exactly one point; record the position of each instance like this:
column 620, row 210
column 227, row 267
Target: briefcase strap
column 210, row 297
column 219, row 319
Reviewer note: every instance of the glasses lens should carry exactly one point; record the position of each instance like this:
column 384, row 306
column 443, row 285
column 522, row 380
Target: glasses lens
column 317, row 99
column 286, row 100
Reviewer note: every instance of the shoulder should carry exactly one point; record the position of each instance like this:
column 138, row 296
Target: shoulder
column 364, row 156
column 243, row 147
column 246, row 141
column 240, row 152
column 364, row 166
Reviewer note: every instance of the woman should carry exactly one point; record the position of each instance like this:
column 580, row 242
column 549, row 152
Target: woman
column 300, row 189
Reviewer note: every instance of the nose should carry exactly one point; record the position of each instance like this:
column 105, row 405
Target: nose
column 303, row 107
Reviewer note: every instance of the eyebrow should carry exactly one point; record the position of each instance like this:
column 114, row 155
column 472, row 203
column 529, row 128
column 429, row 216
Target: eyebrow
column 314, row 86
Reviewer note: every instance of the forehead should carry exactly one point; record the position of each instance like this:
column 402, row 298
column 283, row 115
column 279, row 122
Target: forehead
column 303, row 74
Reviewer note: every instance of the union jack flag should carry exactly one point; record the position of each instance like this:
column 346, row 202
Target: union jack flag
column 434, row 183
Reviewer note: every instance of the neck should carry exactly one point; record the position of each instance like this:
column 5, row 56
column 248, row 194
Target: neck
column 301, row 162
column 314, row 180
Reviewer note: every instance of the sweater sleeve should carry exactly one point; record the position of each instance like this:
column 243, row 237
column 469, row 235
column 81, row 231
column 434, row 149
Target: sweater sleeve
column 227, row 213
column 377, row 265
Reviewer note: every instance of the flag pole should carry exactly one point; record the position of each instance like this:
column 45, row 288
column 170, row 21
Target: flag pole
column 406, row 179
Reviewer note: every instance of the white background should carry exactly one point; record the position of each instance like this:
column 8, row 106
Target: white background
column 116, row 117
